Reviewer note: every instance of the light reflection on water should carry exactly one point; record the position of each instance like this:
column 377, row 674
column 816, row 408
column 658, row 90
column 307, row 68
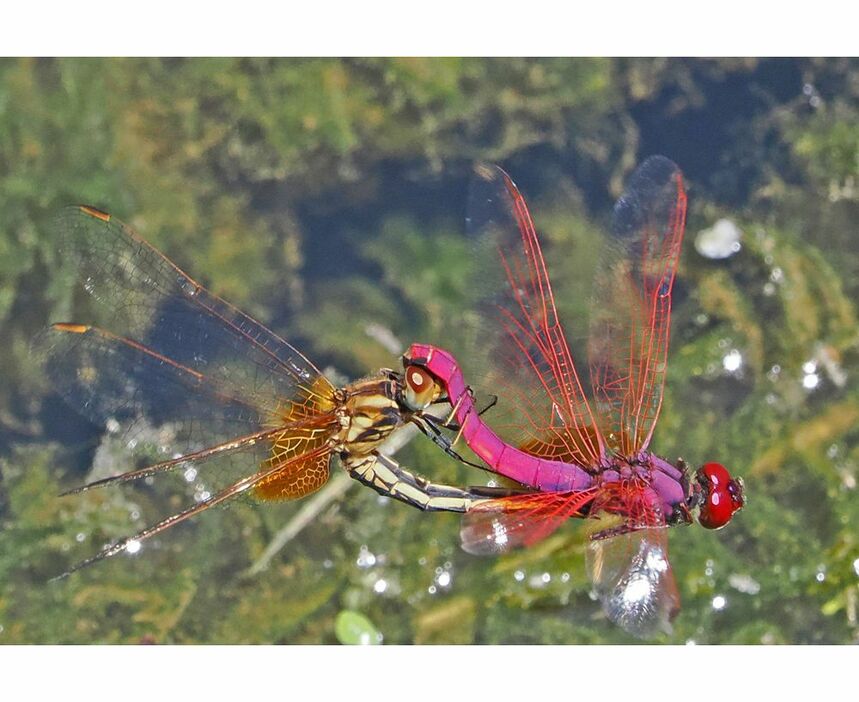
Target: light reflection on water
column 366, row 559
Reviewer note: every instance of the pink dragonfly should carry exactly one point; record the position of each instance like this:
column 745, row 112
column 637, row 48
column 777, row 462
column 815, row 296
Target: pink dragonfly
column 581, row 457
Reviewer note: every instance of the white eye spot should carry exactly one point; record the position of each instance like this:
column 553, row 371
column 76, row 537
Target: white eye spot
column 417, row 379
column 132, row 546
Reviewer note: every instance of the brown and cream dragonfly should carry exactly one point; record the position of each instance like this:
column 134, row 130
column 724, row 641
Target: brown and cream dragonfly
column 227, row 398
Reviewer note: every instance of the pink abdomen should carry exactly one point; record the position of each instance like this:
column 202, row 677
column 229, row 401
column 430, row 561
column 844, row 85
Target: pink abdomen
column 501, row 457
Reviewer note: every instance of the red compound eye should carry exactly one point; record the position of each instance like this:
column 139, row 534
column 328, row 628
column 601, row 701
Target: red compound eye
column 724, row 496
column 716, row 474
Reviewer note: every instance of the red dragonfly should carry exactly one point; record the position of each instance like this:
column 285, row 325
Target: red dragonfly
column 582, row 457
column 196, row 386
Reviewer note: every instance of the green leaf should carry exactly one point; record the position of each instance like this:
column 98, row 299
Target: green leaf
column 354, row 629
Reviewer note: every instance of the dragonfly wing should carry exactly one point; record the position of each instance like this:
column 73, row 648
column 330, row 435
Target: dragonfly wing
column 180, row 369
column 140, row 294
column 160, row 406
column 631, row 317
column 521, row 342
column 111, row 377
column 628, row 564
column 499, row 525
column 294, row 445
column 268, row 470
column 300, row 449
column 633, row 580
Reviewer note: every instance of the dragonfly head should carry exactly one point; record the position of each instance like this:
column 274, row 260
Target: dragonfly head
column 420, row 388
column 721, row 495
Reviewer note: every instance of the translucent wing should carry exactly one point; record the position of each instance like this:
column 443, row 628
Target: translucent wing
column 111, row 378
column 178, row 359
column 143, row 296
column 628, row 564
column 631, row 319
column 528, row 361
column 108, row 377
column 267, row 471
column 633, row 579
column 499, row 525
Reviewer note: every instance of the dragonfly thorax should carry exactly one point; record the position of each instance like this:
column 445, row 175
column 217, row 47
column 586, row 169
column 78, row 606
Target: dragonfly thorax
column 675, row 494
column 368, row 412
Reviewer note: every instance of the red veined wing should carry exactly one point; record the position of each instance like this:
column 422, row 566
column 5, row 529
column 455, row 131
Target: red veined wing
column 499, row 525
column 178, row 362
column 631, row 317
column 628, row 565
column 525, row 351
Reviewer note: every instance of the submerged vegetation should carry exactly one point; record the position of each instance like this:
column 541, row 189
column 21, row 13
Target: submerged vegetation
column 326, row 198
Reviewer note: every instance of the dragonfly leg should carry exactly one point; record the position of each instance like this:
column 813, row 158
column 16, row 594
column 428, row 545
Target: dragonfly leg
column 614, row 531
column 450, row 424
column 449, row 421
column 429, row 428
column 387, row 477
column 492, row 403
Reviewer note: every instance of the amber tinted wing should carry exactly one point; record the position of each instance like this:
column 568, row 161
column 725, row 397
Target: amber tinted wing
column 528, row 362
column 300, row 449
column 631, row 318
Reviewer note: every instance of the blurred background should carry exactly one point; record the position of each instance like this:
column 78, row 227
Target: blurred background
column 327, row 199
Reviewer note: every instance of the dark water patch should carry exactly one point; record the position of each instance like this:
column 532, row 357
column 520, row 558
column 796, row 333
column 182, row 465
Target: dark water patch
column 721, row 141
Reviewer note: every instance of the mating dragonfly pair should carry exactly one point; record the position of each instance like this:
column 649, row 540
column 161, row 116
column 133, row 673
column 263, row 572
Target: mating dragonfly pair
column 231, row 398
